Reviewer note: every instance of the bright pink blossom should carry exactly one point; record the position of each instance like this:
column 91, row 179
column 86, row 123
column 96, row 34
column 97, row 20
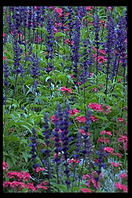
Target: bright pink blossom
column 73, row 112
column 123, row 175
column 59, row 11
column 5, row 165
column 93, row 118
column 38, row 169
column 103, row 140
column 64, row 89
column 109, row 149
column 121, row 186
column 95, row 106
column 88, row 8
column 115, row 164
column 30, row 186
column 120, row 119
column 81, row 119
column 85, row 190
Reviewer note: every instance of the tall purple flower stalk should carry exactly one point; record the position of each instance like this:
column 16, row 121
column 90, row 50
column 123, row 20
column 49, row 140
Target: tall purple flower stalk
column 76, row 55
column 109, row 45
column 97, row 29
column 49, row 44
column 35, row 69
column 65, row 142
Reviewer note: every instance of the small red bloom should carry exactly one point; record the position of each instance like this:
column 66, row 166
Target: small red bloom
column 73, row 112
column 120, row 119
column 4, row 57
column 93, row 118
column 38, row 169
column 115, row 164
column 109, row 149
column 5, row 166
column 85, row 190
column 88, row 8
column 123, row 175
column 64, row 89
column 81, row 119
column 59, row 11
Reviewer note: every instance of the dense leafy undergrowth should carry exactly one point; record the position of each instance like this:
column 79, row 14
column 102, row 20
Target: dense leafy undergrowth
column 65, row 99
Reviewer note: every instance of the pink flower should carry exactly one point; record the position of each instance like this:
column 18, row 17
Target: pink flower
column 106, row 133
column 109, row 149
column 72, row 160
column 30, row 186
column 95, row 106
column 93, row 118
column 123, row 175
column 38, row 169
column 64, row 89
column 115, row 164
column 105, row 140
column 120, row 119
column 122, row 138
column 85, row 190
column 102, row 51
column 86, row 176
column 53, row 118
column 4, row 57
column 81, row 119
column 73, row 112
column 88, row 8
column 43, row 187
column 101, row 59
column 121, row 186
column 6, row 184
column 5, row 165
column 117, row 154
column 26, row 175
column 59, row 11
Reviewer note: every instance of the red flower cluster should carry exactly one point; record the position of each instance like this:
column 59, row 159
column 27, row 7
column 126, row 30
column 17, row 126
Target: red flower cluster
column 73, row 112
column 38, row 169
column 72, row 160
column 106, row 133
column 5, row 166
column 95, row 106
column 64, row 89
column 121, row 186
column 81, row 119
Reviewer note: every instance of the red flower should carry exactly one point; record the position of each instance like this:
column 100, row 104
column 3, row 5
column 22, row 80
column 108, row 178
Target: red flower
column 38, row 169
column 95, row 106
column 53, row 118
column 123, row 175
column 120, row 119
column 30, row 186
column 5, row 166
column 85, row 190
column 115, row 164
column 64, row 89
column 121, row 186
column 109, row 149
column 88, row 8
column 59, row 11
column 4, row 57
column 73, row 112
column 81, row 119
column 93, row 118
column 102, row 51
column 105, row 140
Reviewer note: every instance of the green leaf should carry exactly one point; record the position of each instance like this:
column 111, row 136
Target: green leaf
column 59, row 34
